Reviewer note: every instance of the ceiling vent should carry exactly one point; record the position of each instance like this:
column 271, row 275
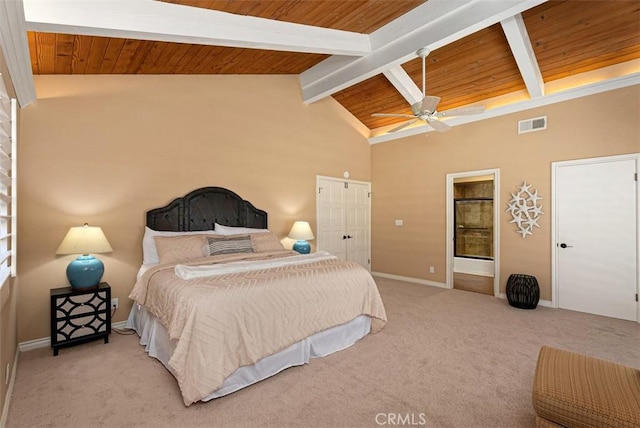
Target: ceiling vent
column 530, row 125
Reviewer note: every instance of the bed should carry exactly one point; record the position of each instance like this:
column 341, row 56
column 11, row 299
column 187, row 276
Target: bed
column 223, row 305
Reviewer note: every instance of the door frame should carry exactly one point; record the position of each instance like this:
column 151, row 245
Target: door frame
column 496, row 224
column 554, row 219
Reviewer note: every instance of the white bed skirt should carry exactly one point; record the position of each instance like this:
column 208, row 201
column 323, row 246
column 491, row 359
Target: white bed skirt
column 154, row 337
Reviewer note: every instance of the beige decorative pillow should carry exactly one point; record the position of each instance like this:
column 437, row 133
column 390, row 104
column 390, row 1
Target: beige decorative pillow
column 149, row 251
column 263, row 242
column 172, row 249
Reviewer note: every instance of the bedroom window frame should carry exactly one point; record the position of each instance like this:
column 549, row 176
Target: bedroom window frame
column 8, row 140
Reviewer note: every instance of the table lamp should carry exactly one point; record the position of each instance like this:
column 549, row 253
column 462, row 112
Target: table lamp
column 85, row 271
column 301, row 232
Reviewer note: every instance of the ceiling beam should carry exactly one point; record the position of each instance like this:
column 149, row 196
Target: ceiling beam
column 520, row 44
column 432, row 25
column 404, row 84
column 15, row 49
column 159, row 21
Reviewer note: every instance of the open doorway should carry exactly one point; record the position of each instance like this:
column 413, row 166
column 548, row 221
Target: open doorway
column 472, row 228
column 473, row 234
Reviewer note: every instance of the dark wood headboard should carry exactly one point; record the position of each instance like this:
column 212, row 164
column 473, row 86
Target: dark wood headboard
column 202, row 208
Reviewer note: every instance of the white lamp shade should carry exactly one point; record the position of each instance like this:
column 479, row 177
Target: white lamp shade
column 84, row 240
column 301, row 231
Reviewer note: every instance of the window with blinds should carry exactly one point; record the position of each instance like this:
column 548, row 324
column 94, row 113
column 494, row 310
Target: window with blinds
column 8, row 133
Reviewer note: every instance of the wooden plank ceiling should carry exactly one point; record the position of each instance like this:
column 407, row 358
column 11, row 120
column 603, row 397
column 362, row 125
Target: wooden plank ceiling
column 568, row 38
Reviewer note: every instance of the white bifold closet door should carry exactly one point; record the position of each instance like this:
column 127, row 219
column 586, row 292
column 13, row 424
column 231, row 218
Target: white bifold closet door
column 344, row 219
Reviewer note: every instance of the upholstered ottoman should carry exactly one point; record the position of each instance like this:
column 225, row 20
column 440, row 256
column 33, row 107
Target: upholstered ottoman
column 574, row 390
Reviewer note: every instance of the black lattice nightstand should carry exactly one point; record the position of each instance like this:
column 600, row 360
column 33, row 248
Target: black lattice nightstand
column 80, row 315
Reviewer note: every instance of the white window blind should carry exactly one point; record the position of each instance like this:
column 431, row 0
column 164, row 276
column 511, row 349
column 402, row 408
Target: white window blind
column 8, row 134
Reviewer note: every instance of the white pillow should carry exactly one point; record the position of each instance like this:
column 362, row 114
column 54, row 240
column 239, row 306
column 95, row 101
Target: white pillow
column 229, row 230
column 149, row 250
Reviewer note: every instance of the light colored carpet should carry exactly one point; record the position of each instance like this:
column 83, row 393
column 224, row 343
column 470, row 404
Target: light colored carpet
column 446, row 358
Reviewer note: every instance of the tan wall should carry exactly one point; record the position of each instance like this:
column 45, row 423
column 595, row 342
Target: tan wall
column 105, row 149
column 8, row 296
column 409, row 180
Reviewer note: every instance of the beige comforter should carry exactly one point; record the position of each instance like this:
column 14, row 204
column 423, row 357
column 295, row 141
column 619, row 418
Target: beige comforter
column 232, row 319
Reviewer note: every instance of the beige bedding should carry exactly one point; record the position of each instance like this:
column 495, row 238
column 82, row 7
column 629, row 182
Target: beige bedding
column 232, row 319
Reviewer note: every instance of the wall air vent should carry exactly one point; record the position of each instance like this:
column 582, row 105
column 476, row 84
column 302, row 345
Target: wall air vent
column 530, row 125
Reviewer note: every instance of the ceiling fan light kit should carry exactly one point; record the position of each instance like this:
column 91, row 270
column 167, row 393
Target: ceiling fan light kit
column 425, row 110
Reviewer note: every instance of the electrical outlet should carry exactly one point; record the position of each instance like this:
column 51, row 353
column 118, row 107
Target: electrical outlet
column 432, row 269
column 114, row 303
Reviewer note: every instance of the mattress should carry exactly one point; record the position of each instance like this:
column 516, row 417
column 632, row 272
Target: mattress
column 155, row 339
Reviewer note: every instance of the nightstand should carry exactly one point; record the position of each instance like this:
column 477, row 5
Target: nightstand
column 80, row 315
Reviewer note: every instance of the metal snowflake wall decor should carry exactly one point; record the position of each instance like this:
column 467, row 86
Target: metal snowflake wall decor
column 525, row 210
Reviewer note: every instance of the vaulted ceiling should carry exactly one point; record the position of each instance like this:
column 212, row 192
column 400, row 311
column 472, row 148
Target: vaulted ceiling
column 497, row 53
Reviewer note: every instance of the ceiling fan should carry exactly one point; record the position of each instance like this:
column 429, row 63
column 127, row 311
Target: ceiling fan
column 425, row 109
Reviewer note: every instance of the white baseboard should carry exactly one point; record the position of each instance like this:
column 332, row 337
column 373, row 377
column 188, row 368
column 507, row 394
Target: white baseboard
column 7, row 398
column 410, row 279
column 45, row 342
column 545, row 303
column 119, row 324
column 30, row 345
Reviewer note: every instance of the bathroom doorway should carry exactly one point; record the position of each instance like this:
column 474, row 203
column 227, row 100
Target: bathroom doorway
column 472, row 228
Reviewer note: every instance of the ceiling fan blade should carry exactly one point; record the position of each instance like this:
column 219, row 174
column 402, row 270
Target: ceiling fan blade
column 404, row 125
column 429, row 103
column 416, row 108
column 438, row 126
column 392, row 115
column 461, row 111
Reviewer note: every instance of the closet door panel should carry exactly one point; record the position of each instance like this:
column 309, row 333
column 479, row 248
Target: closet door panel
column 358, row 223
column 332, row 218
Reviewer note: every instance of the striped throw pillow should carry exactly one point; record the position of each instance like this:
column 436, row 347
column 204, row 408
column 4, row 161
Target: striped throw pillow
column 229, row 245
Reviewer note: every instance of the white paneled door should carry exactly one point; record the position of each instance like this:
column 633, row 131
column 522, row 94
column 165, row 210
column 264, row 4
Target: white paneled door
column 358, row 208
column 332, row 221
column 344, row 212
column 596, row 236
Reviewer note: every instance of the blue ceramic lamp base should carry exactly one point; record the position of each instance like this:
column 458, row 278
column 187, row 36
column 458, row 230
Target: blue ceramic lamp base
column 85, row 271
column 301, row 246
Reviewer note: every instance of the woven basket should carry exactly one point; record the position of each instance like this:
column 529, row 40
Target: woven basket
column 523, row 291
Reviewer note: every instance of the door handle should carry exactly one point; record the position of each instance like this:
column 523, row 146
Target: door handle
column 349, row 237
column 563, row 245
column 344, row 236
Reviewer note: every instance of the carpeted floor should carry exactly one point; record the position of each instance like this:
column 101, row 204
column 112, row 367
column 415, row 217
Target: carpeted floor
column 446, row 358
